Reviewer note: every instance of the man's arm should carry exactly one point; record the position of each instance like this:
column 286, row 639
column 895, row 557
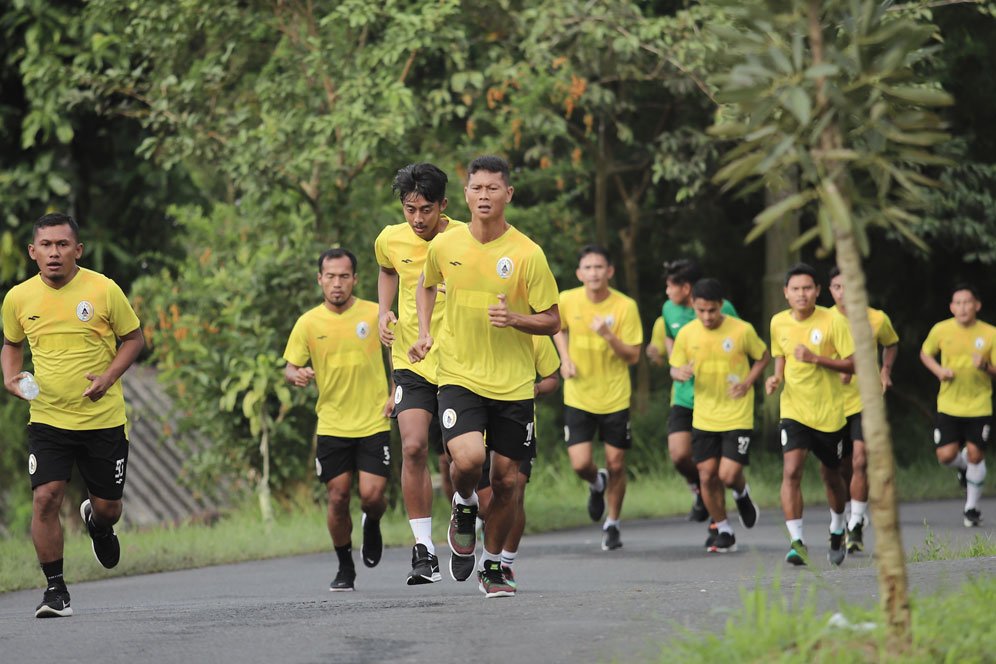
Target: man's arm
column 298, row 376
column 629, row 354
column 546, row 385
column 776, row 378
column 844, row 366
column 544, row 323
column 12, row 361
column 740, row 389
column 935, row 367
column 131, row 345
column 889, row 354
column 567, row 367
column 387, row 290
column 425, row 302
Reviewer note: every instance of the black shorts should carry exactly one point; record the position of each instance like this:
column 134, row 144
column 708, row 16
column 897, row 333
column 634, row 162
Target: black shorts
column 852, row 432
column 100, row 454
column 413, row 391
column 950, row 429
column 508, row 425
column 525, row 467
column 580, row 426
column 827, row 446
column 733, row 445
column 679, row 420
column 370, row 454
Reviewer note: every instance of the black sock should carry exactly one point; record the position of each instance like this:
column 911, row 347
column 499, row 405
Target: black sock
column 345, row 555
column 53, row 573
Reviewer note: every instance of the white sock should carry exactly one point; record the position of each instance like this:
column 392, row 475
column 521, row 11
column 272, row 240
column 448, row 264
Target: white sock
column 976, row 475
column 610, row 522
column 836, row 522
column 960, row 462
column 486, row 557
column 737, row 495
column 795, row 529
column 460, row 500
column 508, row 557
column 478, row 525
column 858, row 510
column 724, row 526
column 422, row 529
column 598, row 484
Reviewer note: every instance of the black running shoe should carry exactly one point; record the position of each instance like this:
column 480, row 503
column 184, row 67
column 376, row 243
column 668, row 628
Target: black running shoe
column 462, row 534
column 106, row 548
column 55, row 603
column 493, row 582
column 837, row 551
column 698, row 513
column 724, row 543
column 713, row 532
column 425, row 567
column 611, row 539
column 461, row 567
column 973, row 518
column 596, row 499
column 747, row 510
column 797, row 554
column 373, row 543
column 343, row 581
column 855, row 538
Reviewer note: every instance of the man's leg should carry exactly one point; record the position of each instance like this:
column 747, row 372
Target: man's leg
column 615, row 462
column 713, row 493
column 793, row 463
column 975, row 476
column 444, row 476
column 510, row 547
column 467, row 454
column 504, row 507
column 46, row 526
column 679, row 447
column 416, row 481
column 735, row 456
column 857, row 463
column 340, row 526
column 582, row 461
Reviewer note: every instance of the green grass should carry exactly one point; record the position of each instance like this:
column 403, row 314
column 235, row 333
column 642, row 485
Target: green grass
column 555, row 500
column 935, row 548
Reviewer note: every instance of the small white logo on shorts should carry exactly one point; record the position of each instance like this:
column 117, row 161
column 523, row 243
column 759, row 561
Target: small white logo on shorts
column 728, row 344
column 840, row 449
column 743, row 442
column 318, row 467
column 397, row 394
column 937, row 436
column 816, row 336
column 449, row 418
column 567, row 433
column 979, row 343
column 985, row 433
column 32, row 464
column 362, row 329
column 387, row 455
column 84, row 311
column 504, row 267
column 785, row 437
column 119, row 470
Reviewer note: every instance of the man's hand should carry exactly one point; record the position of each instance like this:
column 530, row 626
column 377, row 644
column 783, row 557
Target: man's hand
column 498, row 314
column 803, row 354
column 846, row 378
column 389, row 405
column 14, row 385
column 772, row 384
column 738, row 390
column 568, row 369
column 886, row 377
column 302, row 377
column 386, row 327
column 98, row 386
column 945, row 374
column 683, row 373
column 980, row 361
column 654, row 355
column 420, row 349
column 599, row 327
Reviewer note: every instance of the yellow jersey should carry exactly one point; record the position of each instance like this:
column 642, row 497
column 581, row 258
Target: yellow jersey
column 545, row 357
column 72, row 331
column 345, row 353
column 602, row 383
column 657, row 336
column 884, row 335
column 492, row 362
column 970, row 393
column 720, row 358
column 812, row 395
column 399, row 248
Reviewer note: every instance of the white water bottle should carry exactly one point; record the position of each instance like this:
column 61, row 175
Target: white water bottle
column 28, row 386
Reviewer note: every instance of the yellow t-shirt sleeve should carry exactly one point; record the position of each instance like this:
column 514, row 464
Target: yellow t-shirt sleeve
column 545, row 355
column 754, row 345
column 679, row 357
column 542, row 286
column 564, row 309
column 12, row 329
column 931, row 345
column 776, row 348
column 297, row 352
column 630, row 328
column 380, row 250
column 430, row 271
column 123, row 318
column 843, row 343
column 657, row 336
column 887, row 333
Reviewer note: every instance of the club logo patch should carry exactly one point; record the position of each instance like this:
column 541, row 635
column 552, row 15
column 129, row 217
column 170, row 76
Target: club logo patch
column 449, row 418
column 398, row 392
column 610, row 320
column 504, row 267
column 84, row 311
column 362, row 329
column 979, row 343
column 32, row 464
column 728, row 344
column 816, row 336
column 567, row 433
column 318, row 467
column 937, row 436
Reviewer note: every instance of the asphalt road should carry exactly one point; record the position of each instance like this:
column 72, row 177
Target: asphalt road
column 576, row 603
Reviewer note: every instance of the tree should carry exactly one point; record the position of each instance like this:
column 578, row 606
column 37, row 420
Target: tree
column 831, row 89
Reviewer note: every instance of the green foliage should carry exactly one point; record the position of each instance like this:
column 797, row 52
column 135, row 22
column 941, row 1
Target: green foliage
column 934, row 548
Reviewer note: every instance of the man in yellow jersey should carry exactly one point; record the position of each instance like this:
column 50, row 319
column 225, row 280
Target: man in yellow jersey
column 499, row 291
column 73, row 319
column 338, row 338
column 811, row 346
column 964, row 403
column 657, row 348
column 855, row 462
column 599, row 339
column 716, row 350
column 401, row 250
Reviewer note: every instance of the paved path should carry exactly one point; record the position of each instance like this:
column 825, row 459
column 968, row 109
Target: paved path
column 576, row 603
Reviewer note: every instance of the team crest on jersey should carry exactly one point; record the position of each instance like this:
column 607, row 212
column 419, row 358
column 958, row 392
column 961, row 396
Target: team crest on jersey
column 84, row 311
column 449, row 418
column 979, row 343
column 610, row 320
column 362, row 329
column 816, row 336
column 398, row 394
column 728, row 344
column 504, row 267
column 32, row 464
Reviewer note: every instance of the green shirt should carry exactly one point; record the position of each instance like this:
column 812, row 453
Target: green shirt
column 676, row 317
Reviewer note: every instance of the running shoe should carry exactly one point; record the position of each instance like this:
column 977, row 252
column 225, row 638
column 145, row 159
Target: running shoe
column 596, row 499
column 54, row 604
column 106, row 548
column 509, row 576
column 724, row 543
column 492, row 581
column 611, row 539
column 973, row 518
column 425, row 567
column 855, row 537
column 797, row 554
column 713, row 532
column 343, row 581
column 837, row 551
column 747, row 510
column 461, row 567
column 373, row 543
column 462, row 535
column 698, row 513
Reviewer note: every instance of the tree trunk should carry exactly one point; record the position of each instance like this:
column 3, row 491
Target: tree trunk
column 263, row 488
column 602, row 162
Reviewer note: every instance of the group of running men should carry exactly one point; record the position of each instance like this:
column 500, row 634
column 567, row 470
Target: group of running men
column 482, row 330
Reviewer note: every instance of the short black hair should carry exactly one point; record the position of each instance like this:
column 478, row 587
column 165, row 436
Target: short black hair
column 708, row 289
column 802, row 268
column 682, row 271
column 337, row 252
column 56, row 219
column 595, row 249
column 424, row 179
column 834, row 272
column 492, row 164
column 964, row 285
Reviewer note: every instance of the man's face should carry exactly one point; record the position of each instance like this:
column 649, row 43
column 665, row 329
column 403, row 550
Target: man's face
column 678, row 293
column 837, row 290
column 801, row 292
column 594, row 272
column 423, row 216
column 964, row 307
column 337, row 280
column 487, row 195
column 56, row 251
column 709, row 312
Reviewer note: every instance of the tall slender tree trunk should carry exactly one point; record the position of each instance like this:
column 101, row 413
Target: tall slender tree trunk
column 263, row 488
column 602, row 162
